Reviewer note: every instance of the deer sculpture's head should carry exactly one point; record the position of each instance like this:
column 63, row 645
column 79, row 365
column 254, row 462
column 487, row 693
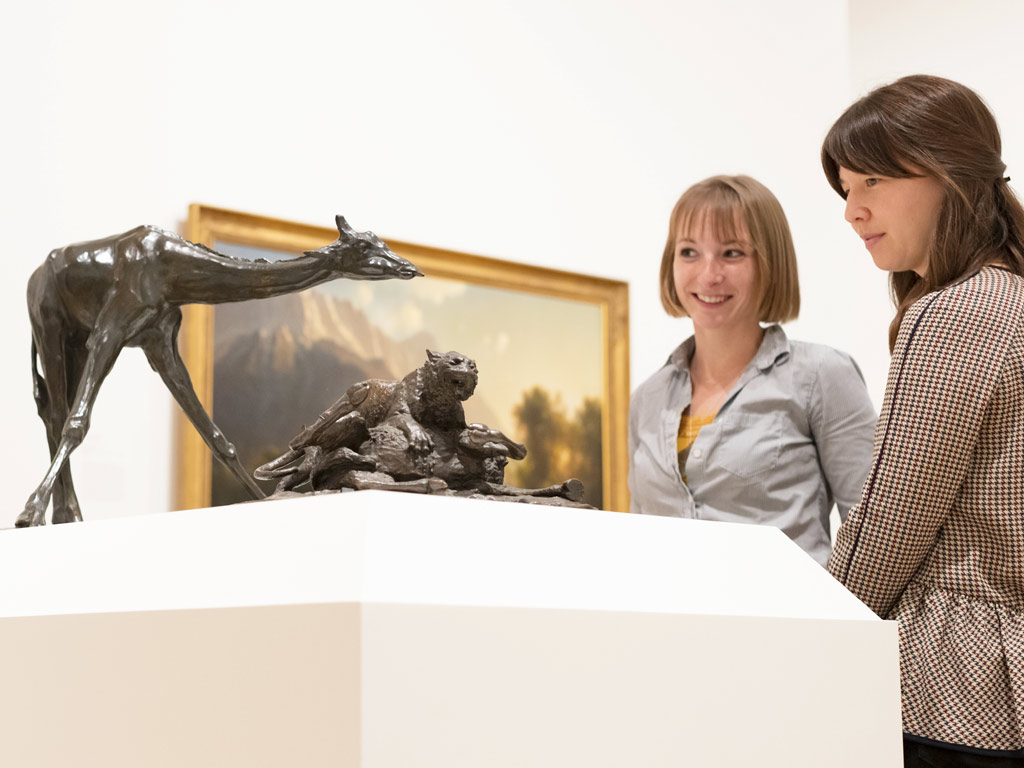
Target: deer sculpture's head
column 363, row 256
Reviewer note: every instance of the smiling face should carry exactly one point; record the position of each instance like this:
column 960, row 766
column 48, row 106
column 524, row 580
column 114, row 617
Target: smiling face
column 716, row 275
column 896, row 218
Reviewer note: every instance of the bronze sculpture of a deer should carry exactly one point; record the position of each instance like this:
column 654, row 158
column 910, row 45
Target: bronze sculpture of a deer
column 89, row 300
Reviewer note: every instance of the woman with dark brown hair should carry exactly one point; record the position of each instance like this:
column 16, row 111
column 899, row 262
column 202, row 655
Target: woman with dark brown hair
column 937, row 540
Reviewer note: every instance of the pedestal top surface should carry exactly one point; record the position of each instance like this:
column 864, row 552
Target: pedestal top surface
column 387, row 547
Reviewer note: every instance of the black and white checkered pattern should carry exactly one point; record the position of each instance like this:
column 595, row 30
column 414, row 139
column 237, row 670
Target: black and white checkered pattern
column 937, row 541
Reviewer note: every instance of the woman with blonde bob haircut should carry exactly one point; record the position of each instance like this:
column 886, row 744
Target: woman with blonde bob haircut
column 937, row 540
column 728, row 202
column 742, row 424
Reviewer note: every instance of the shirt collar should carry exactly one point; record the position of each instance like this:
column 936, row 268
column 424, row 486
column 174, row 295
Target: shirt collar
column 774, row 349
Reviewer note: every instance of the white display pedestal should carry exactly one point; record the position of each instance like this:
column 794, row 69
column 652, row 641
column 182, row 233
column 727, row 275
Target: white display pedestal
column 384, row 630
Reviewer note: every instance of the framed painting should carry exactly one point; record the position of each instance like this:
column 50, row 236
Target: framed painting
column 552, row 348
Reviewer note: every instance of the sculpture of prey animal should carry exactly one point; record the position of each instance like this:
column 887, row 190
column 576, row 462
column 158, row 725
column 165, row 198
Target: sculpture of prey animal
column 89, row 300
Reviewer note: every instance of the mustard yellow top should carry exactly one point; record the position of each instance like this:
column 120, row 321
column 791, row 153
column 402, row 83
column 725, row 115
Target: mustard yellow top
column 689, row 428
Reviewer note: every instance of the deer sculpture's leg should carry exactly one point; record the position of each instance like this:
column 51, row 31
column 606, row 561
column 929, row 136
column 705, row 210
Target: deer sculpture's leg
column 66, row 374
column 571, row 489
column 380, row 481
column 113, row 325
column 161, row 348
column 55, row 353
column 65, row 500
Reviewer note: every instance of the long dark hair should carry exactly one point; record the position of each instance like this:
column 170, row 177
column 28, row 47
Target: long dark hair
column 929, row 126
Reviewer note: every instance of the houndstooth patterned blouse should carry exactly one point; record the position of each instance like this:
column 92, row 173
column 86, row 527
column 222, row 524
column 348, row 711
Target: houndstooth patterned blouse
column 937, row 541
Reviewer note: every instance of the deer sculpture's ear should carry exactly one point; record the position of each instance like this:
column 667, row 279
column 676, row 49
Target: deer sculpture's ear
column 343, row 227
column 432, row 356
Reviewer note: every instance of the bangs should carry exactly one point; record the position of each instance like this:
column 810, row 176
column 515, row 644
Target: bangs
column 864, row 140
column 717, row 210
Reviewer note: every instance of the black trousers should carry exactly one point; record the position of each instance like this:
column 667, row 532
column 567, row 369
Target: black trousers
column 917, row 755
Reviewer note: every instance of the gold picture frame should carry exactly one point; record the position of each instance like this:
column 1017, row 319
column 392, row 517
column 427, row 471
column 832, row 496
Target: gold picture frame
column 602, row 303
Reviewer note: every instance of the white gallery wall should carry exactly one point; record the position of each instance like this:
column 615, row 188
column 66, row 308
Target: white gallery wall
column 555, row 133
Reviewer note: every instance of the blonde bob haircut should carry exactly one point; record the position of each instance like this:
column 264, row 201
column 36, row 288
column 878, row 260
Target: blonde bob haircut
column 724, row 204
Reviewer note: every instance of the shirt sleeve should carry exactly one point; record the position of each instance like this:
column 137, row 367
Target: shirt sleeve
column 944, row 369
column 842, row 421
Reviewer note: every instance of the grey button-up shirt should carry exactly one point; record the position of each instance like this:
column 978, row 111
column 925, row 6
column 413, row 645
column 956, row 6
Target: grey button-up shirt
column 793, row 438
